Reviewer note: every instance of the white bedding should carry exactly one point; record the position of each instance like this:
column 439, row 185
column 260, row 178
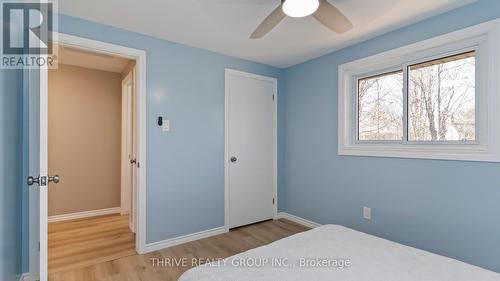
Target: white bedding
column 371, row 259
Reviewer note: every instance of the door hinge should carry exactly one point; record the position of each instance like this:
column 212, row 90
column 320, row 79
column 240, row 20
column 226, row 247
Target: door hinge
column 273, row 201
column 273, row 97
column 38, row 246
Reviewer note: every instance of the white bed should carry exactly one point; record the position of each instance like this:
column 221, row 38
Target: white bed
column 371, row 259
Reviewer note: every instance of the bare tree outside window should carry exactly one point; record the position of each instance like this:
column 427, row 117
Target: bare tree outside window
column 441, row 99
column 380, row 107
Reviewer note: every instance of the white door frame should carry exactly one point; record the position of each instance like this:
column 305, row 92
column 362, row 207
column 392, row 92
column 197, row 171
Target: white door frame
column 227, row 155
column 140, row 57
column 141, row 100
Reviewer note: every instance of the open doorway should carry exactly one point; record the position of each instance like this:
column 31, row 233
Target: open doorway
column 92, row 144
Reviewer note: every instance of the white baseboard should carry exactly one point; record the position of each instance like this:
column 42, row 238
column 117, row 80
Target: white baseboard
column 86, row 214
column 183, row 239
column 156, row 246
column 299, row 220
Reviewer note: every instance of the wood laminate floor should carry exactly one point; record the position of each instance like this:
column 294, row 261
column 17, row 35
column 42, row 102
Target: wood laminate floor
column 145, row 267
column 84, row 242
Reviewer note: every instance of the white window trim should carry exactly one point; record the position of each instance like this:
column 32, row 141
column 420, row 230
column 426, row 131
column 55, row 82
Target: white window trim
column 485, row 40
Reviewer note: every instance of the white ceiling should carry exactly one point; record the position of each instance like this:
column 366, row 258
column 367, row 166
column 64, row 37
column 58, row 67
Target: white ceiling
column 88, row 59
column 223, row 26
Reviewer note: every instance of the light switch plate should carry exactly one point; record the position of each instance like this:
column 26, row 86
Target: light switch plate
column 367, row 213
column 166, row 125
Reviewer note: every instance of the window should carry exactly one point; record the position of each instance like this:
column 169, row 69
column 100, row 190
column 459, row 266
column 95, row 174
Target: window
column 380, row 107
column 435, row 99
column 440, row 102
column 441, row 99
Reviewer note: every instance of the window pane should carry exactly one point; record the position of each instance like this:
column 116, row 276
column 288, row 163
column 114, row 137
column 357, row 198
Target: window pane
column 441, row 99
column 380, row 107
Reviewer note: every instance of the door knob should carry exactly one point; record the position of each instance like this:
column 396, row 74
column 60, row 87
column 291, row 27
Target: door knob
column 55, row 179
column 42, row 181
column 32, row 180
column 234, row 159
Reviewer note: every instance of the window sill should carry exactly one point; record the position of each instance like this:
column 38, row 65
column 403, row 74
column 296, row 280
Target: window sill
column 471, row 152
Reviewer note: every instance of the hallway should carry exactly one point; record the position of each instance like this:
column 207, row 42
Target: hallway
column 85, row 242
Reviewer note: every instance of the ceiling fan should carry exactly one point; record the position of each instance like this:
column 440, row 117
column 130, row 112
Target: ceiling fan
column 321, row 10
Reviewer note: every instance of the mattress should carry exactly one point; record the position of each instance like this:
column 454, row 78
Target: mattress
column 332, row 253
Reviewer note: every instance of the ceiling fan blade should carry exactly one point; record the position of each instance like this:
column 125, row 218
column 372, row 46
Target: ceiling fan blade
column 331, row 17
column 269, row 23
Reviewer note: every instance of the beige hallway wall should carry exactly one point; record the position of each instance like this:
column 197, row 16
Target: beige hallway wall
column 84, row 139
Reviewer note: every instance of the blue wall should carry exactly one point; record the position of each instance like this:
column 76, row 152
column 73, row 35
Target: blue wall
column 10, row 174
column 447, row 207
column 185, row 189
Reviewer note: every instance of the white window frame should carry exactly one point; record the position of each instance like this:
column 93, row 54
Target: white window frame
column 484, row 39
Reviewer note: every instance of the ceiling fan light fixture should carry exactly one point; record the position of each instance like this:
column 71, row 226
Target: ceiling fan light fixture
column 300, row 8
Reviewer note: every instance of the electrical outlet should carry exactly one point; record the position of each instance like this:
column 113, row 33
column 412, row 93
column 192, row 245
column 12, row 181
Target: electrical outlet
column 367, row 213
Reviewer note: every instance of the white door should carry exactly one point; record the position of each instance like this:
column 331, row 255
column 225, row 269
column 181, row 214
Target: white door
column 129, row 160
column 127, row 157
column 133, row 216
column 38, row 181
column 251, row 148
